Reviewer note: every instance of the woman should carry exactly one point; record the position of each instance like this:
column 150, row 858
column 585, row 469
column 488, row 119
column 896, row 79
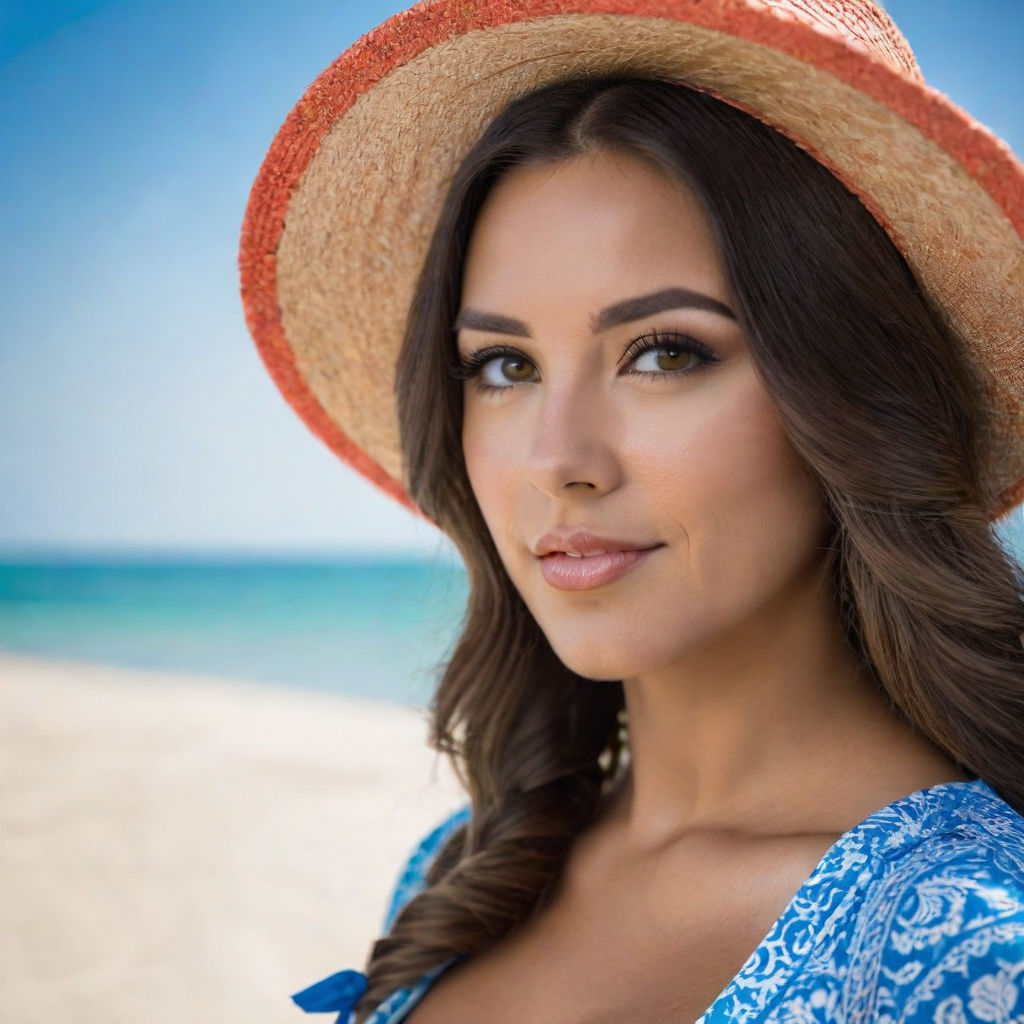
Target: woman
column 739, row 700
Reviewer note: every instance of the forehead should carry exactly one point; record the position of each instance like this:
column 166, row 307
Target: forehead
column 591, row 228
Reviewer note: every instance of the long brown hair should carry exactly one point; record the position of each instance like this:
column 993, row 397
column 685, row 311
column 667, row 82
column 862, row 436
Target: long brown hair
column 875, row 394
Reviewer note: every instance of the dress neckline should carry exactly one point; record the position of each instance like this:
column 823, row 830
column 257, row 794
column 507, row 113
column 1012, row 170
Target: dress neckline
column 884, row 833
column 815, row 910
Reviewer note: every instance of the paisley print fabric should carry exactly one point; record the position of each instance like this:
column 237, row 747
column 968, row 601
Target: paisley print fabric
column 914, row 916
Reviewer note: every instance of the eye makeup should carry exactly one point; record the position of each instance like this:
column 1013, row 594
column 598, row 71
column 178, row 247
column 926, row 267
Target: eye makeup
column 673, row 343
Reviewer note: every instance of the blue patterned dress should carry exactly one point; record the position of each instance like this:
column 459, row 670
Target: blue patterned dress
column 915, row 915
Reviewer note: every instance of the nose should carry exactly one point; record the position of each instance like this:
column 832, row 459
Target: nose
column 573, row 447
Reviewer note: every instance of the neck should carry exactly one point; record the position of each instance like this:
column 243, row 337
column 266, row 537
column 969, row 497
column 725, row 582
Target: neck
column 776, row 728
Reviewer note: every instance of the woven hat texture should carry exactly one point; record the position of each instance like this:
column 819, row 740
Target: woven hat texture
column 341, row 213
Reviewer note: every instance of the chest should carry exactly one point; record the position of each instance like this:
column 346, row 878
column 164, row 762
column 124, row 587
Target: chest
column 657, row 945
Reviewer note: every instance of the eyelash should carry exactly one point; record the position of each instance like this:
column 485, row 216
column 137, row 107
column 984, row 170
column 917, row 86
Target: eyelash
column 471, row 367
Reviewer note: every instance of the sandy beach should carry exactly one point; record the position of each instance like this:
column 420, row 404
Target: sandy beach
column 183, row 849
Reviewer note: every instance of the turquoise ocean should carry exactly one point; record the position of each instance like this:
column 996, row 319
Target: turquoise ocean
column 375, row 629
column 357, row 627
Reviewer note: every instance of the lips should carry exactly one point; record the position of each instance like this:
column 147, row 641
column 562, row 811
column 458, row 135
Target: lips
column 584, row 543
column 583, row 561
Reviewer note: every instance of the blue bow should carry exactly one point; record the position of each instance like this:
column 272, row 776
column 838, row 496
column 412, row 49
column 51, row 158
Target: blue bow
column 340, row 992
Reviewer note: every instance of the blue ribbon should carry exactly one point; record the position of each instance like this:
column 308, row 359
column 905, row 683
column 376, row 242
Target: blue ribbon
column 338, row 993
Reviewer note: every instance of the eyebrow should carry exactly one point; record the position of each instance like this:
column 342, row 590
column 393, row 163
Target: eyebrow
column 621, row 313
column 658, row 302
column 478, row 320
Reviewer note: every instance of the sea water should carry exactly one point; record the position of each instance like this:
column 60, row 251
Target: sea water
column 377, row 629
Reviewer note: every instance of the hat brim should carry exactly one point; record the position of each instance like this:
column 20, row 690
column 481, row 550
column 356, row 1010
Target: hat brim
column 342, row 211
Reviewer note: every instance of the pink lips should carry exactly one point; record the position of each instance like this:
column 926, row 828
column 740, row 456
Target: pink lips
column 582, row 561
column 566, row 572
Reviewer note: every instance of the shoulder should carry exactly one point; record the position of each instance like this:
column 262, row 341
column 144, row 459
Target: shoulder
column 952, row 951
column 412, row 877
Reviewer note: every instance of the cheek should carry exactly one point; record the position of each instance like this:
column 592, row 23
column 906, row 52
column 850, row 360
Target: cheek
column 745, row 503
column 490, row 466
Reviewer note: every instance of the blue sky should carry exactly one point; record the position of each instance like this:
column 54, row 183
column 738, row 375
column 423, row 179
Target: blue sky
column 134, row 411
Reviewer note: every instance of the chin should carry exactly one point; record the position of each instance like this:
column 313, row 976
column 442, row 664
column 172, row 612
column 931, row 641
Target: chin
column 602, row 661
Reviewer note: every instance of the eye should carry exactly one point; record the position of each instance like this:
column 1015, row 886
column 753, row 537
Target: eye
column 665, row 358
column 500, row 371
column 662, row 355
column 495, row 368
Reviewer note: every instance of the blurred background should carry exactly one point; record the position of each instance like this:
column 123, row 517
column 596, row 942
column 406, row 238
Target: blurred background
column 166, row 515
column 163, row 507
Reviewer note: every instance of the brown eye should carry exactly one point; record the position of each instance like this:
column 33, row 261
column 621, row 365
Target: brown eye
column 664, row 359
column 657, row 355
column 671, row 357
column 506, row 370
column 515, row 368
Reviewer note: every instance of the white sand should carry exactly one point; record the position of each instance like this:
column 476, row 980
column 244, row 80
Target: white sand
column 189, row 851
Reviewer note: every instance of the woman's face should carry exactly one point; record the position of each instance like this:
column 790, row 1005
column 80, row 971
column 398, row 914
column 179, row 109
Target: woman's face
column 615, row 408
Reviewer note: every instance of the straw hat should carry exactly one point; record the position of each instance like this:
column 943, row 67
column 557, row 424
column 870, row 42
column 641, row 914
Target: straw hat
column 341, row 213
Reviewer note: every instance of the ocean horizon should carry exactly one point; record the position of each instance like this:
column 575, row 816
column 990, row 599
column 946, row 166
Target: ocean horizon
column 363, row 626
